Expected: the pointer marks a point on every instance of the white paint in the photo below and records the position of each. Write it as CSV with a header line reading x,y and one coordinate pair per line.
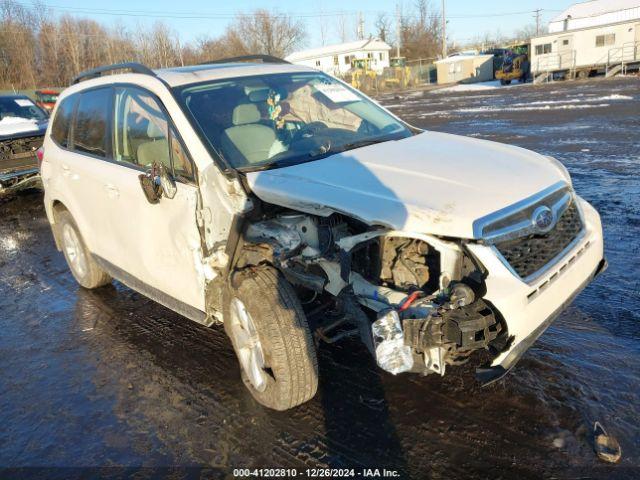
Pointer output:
x,y
13,125
595,13
431,183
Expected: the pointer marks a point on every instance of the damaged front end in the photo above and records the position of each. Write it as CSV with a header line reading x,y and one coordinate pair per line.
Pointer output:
x,y
414,300
18,161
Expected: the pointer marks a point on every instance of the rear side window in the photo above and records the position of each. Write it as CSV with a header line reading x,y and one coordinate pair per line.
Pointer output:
x,y
91,122
62,121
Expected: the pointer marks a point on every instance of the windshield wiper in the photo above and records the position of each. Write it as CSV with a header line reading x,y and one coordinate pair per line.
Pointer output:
x,y
317,155
360,144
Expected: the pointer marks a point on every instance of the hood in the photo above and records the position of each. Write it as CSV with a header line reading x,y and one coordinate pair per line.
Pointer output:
x,y
16,127
432,183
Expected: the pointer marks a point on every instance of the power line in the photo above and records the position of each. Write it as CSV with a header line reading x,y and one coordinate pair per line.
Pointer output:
x,y
198,15
537,17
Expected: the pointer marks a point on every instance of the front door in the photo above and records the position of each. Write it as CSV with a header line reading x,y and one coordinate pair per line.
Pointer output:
x,y
158,244
637,42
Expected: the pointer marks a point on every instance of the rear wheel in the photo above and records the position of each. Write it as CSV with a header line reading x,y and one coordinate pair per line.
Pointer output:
x,y
81,263
271,338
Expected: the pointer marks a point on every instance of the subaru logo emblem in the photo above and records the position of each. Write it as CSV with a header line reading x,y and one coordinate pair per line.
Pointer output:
x,y
543,219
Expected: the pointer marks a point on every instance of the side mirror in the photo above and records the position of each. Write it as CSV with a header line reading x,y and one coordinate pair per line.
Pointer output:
x,y
156,183
167,183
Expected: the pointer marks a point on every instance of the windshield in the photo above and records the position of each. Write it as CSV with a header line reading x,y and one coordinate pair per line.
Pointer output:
x,y
20,108
286,119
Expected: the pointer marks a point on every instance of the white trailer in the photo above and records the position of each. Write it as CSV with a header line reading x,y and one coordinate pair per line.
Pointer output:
x,y
583,46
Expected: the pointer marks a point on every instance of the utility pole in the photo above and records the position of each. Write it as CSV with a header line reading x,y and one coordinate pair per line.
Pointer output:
x,y
444,30
398,30
538,12
360,26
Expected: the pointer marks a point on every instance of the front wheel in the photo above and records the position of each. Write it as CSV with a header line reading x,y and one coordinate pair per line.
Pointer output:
x,y
271,338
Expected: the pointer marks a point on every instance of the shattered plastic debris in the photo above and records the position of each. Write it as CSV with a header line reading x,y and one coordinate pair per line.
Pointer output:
x,y
606,446
392,354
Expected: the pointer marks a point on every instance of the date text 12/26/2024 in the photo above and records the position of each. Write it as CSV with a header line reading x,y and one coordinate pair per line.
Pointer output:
x,y
315,473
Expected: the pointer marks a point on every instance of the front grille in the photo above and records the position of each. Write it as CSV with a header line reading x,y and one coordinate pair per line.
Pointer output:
x,y
528,255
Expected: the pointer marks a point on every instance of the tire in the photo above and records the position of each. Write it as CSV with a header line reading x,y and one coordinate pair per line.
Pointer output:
x,y
280,337
80,260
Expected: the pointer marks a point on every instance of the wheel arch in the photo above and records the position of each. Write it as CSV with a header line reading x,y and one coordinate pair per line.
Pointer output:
x,y
54,207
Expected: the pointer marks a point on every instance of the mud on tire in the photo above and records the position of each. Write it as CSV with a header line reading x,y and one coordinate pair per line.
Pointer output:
x,y
80,260
290,363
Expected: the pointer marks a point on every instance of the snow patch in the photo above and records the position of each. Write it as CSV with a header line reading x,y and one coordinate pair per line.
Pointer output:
x,y
615,96
541,108
12,125
474,87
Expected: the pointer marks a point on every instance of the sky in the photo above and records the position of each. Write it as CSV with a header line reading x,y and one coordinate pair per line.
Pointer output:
x,y
193,19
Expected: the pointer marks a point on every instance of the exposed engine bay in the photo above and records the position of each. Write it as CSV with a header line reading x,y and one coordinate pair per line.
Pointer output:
x,y
414,300
18,161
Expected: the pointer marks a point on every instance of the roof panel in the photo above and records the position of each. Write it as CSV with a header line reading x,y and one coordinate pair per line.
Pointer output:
x,y
219,71
595,8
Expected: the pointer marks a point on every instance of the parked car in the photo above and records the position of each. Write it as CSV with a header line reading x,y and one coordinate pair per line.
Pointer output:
x,y
46,99
293,209
22,128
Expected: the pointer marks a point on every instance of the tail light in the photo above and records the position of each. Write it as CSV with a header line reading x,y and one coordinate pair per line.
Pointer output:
x,y
40,155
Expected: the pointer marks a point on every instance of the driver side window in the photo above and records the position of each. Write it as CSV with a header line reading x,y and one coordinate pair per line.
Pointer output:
x,y
141,134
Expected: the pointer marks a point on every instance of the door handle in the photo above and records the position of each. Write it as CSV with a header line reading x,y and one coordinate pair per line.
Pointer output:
x,y
112,191
66,171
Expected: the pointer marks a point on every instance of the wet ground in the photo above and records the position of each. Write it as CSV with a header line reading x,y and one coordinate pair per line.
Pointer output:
x,y
110,380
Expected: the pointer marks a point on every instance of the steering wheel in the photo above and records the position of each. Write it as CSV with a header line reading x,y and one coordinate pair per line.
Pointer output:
x,y
309,130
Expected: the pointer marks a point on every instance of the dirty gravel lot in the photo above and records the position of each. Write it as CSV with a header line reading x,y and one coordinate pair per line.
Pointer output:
x,y
111,381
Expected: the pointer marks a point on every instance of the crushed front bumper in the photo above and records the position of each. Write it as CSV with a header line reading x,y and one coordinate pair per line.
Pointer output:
x,y
19,179
529,308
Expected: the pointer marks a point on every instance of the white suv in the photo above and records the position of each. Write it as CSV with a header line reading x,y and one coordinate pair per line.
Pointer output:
x,y
295,210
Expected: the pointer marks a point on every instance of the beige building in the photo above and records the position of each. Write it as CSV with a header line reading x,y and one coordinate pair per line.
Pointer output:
x,y
596,36
468,68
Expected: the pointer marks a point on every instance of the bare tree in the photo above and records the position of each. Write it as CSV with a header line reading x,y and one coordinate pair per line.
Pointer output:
x,y
267,33
383,27
342,29
421,31
323,26
37,49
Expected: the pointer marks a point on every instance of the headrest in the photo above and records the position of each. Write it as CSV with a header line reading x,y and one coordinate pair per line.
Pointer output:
x,y
259,95
154,130
245,113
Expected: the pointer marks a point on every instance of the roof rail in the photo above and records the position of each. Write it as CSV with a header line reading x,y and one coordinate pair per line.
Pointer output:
x,y
96,72
247,58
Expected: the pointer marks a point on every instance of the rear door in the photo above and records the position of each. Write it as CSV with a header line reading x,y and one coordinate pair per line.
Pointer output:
x,y
81,166
158,244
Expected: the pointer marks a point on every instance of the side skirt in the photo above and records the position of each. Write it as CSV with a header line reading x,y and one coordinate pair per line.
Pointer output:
x,y
154,294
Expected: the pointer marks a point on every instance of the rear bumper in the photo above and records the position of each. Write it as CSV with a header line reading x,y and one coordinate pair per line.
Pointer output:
x,y
529,308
